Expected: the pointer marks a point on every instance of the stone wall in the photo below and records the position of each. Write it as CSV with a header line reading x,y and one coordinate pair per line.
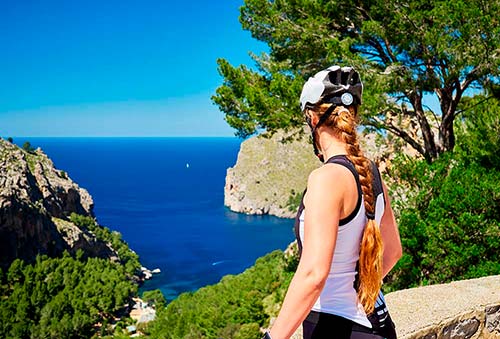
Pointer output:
x,y
462,309
458,310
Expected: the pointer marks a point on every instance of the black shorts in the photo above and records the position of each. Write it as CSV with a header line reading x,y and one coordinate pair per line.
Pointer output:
x,y
320,325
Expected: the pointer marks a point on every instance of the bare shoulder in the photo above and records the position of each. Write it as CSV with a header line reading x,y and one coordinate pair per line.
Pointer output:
x,y
326,186
327,176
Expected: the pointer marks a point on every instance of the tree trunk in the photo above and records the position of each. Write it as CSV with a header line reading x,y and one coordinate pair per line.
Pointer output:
x,y
448,109
428,136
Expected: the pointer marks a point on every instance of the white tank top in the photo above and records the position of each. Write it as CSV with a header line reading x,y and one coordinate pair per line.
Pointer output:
x,y
338,295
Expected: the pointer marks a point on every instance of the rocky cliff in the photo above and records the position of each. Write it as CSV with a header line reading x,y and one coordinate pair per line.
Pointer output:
x,y
36,200
270,174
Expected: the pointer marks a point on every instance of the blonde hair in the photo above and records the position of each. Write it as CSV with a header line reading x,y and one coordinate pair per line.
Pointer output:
x,y
343,123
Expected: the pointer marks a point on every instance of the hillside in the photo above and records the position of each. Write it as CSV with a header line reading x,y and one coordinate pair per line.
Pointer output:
x,y
62,275
269,175
36,201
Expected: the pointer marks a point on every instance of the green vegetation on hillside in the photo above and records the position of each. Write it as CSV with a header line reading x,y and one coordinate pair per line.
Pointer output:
x,y
28,148
67,297
451,231
70,296
236,307
127,257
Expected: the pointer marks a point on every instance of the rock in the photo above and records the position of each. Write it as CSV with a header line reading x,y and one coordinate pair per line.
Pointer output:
x,y
156,271
461,330
460,309
61,196
77,238
493,319
36,200
146,273
268,173
142,312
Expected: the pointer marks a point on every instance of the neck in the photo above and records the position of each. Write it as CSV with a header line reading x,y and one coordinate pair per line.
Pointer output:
x,y
330,145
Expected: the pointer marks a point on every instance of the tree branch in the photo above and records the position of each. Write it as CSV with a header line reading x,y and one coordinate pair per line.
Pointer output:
x,y
469,78
373,42
398,132
433,114
389,50
430,146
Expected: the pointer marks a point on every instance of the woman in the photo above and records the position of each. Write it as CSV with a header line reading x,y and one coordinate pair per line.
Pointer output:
x,y
343,224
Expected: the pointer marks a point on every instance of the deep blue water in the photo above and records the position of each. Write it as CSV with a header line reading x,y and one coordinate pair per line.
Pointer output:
x,y
171,214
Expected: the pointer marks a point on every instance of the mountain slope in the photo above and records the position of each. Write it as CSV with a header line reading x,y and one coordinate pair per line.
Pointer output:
x,y
36,200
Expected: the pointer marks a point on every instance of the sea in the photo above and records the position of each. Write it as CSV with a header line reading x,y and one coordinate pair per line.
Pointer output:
x,y
166,197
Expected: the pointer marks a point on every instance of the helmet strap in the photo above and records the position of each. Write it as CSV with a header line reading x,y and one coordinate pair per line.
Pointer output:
x,y
314,129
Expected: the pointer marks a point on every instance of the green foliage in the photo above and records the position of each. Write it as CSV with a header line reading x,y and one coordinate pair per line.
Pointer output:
x,y
9,139
292,258
479,132
404,49
452,230
294,200
233,308
128,257
248,331
154,297
247,98
63,174
28,148
62,297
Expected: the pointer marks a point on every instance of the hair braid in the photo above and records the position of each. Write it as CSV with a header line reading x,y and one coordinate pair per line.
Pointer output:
x,y
343,122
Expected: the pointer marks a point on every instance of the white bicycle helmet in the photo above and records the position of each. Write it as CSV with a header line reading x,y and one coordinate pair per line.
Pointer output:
x,y
336,85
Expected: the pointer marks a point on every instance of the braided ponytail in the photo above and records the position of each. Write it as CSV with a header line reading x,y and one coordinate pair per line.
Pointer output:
x,y
343,123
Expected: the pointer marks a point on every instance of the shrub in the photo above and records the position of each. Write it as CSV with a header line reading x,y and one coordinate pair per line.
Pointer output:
x,y
28,148
154,297
452,229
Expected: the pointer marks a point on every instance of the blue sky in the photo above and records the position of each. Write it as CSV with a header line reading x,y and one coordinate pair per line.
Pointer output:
x,y
116,68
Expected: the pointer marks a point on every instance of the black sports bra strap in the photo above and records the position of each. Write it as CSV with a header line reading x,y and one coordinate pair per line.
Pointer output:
x,y
377,181
344,161
296,225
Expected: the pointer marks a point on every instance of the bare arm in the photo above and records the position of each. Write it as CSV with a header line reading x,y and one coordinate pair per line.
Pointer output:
x,y
323,202
390,237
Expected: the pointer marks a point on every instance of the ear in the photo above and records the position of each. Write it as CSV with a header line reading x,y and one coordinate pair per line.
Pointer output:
x,y
314,119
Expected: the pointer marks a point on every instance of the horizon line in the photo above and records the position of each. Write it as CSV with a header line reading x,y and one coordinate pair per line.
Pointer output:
x,y
121,136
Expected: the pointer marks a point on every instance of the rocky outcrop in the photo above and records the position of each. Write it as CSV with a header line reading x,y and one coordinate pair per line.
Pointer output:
x,y
271,173
36,200
59,193
77,238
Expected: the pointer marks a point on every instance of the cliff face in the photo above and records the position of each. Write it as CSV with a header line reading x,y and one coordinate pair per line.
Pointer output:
x,y
36,200
270,175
